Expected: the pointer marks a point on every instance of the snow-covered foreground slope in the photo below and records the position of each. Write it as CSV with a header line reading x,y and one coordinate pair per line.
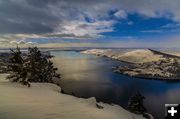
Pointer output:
x,y
133,56
43,101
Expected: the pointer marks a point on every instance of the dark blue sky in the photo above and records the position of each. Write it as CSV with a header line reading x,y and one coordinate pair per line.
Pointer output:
x,y
139,26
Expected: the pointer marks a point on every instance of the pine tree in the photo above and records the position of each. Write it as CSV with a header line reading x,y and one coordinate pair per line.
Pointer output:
x,y
135,104
40,67
35,67
15,65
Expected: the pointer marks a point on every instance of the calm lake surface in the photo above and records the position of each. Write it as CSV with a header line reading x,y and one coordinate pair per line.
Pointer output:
x,y
92,76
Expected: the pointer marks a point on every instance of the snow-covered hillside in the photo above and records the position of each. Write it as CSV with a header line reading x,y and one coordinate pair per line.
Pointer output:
x,y
133,56
44,101
172,52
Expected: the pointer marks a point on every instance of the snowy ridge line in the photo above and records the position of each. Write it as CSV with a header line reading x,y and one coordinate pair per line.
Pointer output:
x,y
164,54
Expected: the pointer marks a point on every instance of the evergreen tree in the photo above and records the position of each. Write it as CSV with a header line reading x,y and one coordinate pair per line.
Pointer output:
x,y
40,67
135,104
35,67
15,65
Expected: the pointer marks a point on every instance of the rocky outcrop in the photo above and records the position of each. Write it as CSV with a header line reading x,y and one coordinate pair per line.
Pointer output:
x,y
168,68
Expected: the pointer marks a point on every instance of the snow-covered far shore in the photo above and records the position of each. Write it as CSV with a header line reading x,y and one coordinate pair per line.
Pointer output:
x,y
44,101
171,52
132,56
147,63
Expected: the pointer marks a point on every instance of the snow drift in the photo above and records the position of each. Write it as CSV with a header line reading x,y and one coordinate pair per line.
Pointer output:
x,y
44,101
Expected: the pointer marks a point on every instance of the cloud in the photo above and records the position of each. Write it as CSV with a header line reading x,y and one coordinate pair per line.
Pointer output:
x,y
18,37
121,14
83,29
126,42
152,31
130,23
171,25
9,40
22,42
23,19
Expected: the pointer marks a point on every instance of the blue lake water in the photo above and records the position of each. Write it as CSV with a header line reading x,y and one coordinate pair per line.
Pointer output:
x,y
92,76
